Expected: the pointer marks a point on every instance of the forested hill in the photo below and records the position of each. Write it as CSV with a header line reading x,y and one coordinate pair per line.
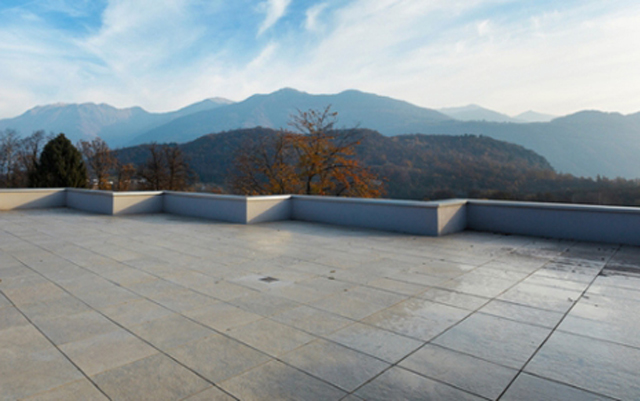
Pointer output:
x,y
413,166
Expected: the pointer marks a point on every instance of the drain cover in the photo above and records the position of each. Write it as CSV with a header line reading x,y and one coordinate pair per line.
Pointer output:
x,y
268,279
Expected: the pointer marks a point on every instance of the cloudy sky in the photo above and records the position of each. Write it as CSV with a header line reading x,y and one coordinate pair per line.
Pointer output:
x,y
555,56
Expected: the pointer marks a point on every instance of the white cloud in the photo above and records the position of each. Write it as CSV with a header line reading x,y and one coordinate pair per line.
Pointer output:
x,y
274,10
312,14
138,36
484,27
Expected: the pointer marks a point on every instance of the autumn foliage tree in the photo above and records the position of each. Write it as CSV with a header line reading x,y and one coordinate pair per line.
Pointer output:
x,y
317,159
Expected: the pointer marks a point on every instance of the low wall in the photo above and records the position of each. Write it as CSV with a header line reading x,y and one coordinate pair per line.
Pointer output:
x,y
452,216
261,209
36,198
90,201
209,206
620,225
114,203
137,202
610,224
410,217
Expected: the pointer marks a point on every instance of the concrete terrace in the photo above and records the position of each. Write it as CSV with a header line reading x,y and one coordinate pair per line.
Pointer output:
x,y
165,307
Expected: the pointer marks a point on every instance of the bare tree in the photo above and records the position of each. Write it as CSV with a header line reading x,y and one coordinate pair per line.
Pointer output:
x,y
178,172
9,169
100,160
28,155
124,176
153,170
165,168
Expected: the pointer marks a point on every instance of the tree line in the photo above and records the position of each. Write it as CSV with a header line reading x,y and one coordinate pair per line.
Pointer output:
x,y
314,159
40,161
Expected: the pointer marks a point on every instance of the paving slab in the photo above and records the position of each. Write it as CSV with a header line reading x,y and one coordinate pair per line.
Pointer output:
x,y
594,365
231,357
68,328
527,387
106,351
78,390
270,337
222,316
211,394
338,365
474,375
170,331
382,344
401,384
277,381
153,378
495,339
311,320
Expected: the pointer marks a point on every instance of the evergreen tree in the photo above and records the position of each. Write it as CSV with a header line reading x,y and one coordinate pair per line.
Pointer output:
x,y
60,165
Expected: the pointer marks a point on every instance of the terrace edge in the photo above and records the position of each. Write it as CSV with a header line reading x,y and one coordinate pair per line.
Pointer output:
x,y
607,224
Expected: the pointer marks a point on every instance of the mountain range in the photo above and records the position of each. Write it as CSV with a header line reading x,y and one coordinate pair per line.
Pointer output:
x,y
473,112
88,120
587,143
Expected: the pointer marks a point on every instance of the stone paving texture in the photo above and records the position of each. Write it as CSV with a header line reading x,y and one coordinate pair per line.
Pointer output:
x,y
159,307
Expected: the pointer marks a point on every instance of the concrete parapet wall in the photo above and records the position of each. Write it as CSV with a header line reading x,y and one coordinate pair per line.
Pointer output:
x,y
410,217
620,225
90,201
565,221
452,216
36,198
114,203
262,209
137,202
228,208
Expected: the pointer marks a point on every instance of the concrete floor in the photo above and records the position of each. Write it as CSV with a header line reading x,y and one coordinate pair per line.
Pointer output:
x,y
163,307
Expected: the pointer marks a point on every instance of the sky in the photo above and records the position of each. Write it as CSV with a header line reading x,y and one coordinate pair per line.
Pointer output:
x,y
554,57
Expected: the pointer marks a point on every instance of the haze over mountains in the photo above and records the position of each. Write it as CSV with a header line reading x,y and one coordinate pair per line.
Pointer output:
x,y
473,112
587,143
88,120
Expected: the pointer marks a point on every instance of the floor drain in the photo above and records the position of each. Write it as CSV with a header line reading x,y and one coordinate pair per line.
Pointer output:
x,y
268,279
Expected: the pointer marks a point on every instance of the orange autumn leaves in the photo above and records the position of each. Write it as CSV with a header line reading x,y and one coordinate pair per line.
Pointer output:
x,y
317,159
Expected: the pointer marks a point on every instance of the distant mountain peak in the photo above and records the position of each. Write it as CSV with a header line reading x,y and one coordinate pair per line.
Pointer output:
x,y
219,100
474,112
287,90
469,107
355,91
531,116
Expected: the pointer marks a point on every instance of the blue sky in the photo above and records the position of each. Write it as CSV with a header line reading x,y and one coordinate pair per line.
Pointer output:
x,y
510,55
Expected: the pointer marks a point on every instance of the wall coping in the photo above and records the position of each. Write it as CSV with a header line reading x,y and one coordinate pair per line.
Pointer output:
x,y
556,206
113,193
19,190
384,202
228,197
